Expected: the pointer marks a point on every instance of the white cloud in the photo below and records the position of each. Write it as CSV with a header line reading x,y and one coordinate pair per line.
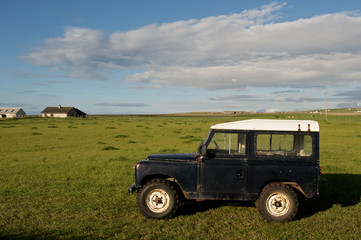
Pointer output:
x,y
248,49
295,71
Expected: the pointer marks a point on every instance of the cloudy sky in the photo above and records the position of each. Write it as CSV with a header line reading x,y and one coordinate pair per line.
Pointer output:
x,y
161,56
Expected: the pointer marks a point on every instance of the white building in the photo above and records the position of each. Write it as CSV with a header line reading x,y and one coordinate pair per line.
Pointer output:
x,y
11,112
62,112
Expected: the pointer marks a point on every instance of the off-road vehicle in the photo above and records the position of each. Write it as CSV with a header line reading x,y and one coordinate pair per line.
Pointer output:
x,y
270,162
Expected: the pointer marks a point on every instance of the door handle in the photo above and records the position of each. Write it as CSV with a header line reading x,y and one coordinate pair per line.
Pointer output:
x,y
239,174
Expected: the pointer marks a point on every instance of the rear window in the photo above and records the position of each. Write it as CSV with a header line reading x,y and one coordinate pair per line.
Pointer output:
x,y
293,145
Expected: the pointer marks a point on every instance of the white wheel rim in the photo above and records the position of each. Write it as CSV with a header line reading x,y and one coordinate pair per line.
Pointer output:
x,y
158,200
278,204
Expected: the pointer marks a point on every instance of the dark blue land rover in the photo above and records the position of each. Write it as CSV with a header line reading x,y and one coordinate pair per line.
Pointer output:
x,y
271,162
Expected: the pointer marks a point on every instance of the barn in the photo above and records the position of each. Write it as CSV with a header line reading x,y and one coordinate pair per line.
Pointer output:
x,y
11,112
62,112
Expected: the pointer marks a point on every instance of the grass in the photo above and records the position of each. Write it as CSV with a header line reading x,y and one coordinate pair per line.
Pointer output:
x,y
64,183
109,148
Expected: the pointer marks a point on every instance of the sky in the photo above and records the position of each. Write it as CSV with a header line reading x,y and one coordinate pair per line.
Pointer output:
x,y
166,56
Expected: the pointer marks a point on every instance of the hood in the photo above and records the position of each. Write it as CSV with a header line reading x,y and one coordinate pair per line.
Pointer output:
x,y
174,156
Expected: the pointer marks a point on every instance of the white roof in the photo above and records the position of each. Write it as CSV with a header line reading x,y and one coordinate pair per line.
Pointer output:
x,y
270,125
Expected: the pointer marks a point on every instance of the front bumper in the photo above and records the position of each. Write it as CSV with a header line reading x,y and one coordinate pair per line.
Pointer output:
x,y
132,189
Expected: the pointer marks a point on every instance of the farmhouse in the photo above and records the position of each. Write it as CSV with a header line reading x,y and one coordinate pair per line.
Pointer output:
x,y
11,112
62,112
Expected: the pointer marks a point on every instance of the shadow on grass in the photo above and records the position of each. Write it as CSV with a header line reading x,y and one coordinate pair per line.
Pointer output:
x,y
335,189
192,207
342,189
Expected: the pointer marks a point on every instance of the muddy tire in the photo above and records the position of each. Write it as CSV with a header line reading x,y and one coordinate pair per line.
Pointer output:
x,y
158,199
277,203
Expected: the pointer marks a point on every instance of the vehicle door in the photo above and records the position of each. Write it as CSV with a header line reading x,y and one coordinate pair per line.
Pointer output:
x,y
224,168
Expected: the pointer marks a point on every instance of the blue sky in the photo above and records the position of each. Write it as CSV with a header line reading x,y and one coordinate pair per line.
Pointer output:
x,y
124,57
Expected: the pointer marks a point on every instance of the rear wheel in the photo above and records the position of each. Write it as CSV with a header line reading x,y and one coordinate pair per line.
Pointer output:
x,y
277,203
158,199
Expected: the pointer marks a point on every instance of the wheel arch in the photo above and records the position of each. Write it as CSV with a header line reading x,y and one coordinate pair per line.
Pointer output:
x,y
295,186
170,179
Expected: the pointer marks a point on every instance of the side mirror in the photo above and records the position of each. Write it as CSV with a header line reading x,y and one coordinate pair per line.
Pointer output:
x,y
202,149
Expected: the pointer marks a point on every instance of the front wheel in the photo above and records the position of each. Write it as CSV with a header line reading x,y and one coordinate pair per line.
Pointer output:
x,y
158,199
277,203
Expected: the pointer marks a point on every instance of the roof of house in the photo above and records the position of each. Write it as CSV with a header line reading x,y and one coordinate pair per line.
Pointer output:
x,y
61,109
270,125
9,110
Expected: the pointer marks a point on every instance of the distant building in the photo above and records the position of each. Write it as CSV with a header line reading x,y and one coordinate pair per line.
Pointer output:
x,y
62,112
11,112
235,112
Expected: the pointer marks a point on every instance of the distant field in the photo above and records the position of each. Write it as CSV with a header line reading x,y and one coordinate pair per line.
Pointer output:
x,y
68,178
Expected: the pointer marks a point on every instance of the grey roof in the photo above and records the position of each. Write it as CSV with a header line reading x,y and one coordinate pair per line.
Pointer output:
x,y
65,110
9,110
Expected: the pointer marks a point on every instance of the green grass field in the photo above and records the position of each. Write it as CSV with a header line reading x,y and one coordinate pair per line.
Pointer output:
x,y
68,178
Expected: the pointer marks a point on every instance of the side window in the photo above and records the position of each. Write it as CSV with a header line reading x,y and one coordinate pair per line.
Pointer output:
x,y
293,145
228,143
305,145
